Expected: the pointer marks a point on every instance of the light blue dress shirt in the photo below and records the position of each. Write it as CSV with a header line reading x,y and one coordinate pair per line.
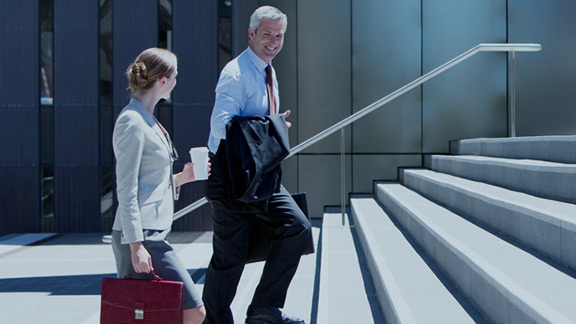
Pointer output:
x,y
241,91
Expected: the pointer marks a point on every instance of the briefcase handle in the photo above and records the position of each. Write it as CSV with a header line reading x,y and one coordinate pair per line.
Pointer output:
x,y
156,277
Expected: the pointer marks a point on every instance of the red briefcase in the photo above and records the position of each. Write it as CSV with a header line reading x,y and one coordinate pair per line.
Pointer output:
x,y
142,301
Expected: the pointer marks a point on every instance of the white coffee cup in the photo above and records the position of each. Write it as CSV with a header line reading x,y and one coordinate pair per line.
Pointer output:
x,y
199,157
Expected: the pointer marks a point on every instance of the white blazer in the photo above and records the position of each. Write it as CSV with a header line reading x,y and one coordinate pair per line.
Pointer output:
x,y
144,179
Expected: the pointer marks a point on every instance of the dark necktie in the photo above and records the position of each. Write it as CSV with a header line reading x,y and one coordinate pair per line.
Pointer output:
x,y
270,87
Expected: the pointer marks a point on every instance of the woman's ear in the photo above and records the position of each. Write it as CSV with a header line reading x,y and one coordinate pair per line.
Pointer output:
x,y
162,80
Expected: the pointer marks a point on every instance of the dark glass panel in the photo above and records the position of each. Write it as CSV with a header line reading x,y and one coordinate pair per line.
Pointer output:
x,y
224,32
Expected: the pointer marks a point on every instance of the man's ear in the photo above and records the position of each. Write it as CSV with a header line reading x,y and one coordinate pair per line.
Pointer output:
x,y
251,33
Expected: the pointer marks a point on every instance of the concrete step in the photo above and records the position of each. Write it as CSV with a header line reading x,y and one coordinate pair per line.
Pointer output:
x,y
300,300
346,292
507,284
540,178
409,290
331,286
546,148
546,226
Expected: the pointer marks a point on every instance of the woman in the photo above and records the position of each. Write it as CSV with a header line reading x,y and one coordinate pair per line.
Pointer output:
x,y
146,186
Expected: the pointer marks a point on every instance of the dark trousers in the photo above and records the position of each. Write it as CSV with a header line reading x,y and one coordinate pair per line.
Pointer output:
x,y
230,243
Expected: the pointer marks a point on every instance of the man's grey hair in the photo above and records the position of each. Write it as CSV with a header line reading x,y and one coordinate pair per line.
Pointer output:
x,y
267,12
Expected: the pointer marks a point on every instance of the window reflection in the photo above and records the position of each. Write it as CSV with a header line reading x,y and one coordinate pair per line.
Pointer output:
x,y
165,16
46,51
107,197
47,191
47,114
165,41
105,51
106,117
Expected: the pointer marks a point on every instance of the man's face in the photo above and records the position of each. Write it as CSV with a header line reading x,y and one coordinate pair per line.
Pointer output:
x,y
268,40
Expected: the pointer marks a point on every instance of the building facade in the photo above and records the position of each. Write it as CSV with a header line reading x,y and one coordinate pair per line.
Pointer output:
x,y
63,84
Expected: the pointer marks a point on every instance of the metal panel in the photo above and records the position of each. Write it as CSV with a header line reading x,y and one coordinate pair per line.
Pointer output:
x,y
324,70
241,12
19,199
19,86
198,64
77,205
545,96
196,50
193,97
386,56
290,174
469,100
286,66
320,178
76,131
76,116
374,167
19,125
135,28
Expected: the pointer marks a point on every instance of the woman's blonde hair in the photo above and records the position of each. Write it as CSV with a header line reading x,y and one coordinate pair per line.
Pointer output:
x,y
151,65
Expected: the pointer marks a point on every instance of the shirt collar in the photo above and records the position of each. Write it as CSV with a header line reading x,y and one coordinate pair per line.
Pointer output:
x,y
139,107
258,62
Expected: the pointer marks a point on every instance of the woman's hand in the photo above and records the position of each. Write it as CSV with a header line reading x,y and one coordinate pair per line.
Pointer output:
x,y
141,260
187,175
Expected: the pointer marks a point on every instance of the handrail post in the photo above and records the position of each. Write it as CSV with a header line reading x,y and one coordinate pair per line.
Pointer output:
x,y
343,175
512,107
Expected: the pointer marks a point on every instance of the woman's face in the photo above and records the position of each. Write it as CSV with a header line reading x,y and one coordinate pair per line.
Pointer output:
x,y
169,84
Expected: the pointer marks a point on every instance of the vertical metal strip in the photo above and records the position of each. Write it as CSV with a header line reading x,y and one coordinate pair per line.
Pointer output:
x,y
343,175
512,112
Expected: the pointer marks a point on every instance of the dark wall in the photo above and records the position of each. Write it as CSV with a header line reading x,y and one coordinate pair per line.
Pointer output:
x,y
76,131
20,121
195,43
56,160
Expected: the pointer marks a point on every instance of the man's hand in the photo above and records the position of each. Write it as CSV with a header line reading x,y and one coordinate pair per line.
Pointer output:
x,y
286,114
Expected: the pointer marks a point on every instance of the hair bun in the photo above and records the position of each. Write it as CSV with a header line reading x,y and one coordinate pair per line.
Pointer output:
x,y
143,71
138,75
139,68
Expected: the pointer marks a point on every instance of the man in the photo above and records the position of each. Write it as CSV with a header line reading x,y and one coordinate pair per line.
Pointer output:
x,y
242,91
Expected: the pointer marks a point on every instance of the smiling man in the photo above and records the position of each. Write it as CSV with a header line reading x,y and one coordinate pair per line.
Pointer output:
x,y
248,88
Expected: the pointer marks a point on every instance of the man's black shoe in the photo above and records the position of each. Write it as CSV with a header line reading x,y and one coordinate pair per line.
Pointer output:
x,y
270,315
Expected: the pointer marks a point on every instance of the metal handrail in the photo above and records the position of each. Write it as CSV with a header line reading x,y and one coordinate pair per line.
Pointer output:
x,y
379,103
484,47
197,204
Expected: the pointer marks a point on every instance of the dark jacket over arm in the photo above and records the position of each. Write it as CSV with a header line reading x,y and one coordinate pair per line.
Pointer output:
x,y
255,148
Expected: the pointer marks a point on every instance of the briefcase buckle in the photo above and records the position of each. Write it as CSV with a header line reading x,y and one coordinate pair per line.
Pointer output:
x,y
138,314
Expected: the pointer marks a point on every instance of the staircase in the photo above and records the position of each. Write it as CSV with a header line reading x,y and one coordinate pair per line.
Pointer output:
x,y
486,234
